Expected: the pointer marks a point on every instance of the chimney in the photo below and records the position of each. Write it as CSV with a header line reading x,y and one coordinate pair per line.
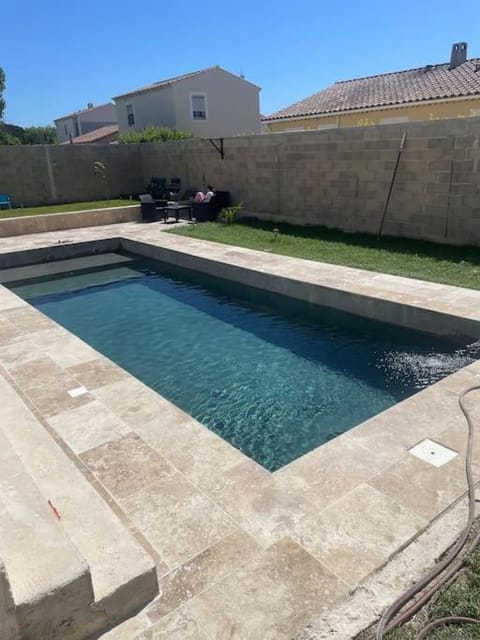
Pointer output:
x,y
459,55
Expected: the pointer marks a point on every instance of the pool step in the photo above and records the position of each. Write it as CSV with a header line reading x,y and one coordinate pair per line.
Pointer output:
x,y
45,579
123,575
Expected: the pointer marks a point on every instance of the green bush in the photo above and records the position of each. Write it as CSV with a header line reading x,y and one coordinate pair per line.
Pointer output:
x,y
228,214
153,134
13,134
7,138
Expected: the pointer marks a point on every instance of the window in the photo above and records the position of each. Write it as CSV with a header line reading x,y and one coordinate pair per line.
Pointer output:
x,y
66,130
130,115
199,106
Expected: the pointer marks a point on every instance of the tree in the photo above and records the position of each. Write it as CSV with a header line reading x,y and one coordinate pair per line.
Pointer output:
x,y
10,134
39,135
7,138
13,134
2,89
154,134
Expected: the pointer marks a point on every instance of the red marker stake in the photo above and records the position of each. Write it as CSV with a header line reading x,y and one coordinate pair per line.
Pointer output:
x,y
54,510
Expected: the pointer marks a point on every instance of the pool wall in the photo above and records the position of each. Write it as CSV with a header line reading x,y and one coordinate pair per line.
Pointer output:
x,y
245,267
411,316
62,251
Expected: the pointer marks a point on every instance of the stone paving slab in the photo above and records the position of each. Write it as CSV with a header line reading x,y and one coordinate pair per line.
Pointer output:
x,y
239,550
117,563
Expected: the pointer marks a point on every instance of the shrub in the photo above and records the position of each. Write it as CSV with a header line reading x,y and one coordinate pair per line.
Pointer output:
x,y
153,134
100,170
228,214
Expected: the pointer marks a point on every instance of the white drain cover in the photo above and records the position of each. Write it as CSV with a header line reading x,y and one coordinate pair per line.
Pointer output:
x,y
432,452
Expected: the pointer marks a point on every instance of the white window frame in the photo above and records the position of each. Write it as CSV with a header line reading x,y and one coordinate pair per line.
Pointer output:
x,y
200,94
133,114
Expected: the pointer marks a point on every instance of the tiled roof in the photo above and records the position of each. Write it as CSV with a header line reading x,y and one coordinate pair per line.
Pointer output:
x,y
96,135
77,113
168,81
433,82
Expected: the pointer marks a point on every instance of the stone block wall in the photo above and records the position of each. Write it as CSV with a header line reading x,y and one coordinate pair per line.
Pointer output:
x,y
338,178
47,174
341,178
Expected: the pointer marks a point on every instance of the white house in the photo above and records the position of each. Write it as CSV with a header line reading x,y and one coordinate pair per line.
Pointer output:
x,y
84,121
208,103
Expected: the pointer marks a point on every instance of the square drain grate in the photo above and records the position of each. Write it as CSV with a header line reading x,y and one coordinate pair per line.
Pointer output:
x,y
432,452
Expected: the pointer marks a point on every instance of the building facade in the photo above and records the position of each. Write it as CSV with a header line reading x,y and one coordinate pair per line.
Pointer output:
x,y
208,103
81,122
447,90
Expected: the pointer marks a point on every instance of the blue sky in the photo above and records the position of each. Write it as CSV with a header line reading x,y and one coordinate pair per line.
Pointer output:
x,y
58,55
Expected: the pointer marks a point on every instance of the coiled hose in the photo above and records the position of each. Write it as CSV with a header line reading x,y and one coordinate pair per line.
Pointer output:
x,y
449,565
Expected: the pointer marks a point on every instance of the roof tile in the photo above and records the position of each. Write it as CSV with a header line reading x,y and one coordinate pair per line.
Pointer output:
x,y
432,82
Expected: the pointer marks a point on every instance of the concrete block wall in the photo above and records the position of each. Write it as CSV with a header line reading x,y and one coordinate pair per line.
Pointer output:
x,y
47,174
338,178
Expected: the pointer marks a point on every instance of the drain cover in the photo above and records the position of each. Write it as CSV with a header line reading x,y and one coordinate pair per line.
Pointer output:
x,y
432,452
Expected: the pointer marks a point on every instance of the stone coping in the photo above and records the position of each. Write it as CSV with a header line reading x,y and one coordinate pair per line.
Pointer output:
x,y
242,552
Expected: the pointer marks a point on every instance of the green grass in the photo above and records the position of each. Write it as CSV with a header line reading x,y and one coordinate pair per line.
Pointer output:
x,y
63,208
461,599
458,266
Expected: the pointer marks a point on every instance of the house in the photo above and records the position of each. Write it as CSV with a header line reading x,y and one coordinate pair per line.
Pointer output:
x,y
77,124
207,103
104,135
445,90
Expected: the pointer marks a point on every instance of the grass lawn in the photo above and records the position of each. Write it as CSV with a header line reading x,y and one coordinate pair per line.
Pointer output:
x,y
458,266
64,208
461,599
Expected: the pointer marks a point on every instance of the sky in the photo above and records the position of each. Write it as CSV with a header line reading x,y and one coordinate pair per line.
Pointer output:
x,y
58,56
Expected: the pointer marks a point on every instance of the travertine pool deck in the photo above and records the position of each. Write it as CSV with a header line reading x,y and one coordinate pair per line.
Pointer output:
x,y
242,553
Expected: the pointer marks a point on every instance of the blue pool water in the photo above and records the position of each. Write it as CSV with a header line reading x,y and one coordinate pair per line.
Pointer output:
x,y
274,377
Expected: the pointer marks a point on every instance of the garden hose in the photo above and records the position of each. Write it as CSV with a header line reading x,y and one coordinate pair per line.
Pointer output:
x,y
449,565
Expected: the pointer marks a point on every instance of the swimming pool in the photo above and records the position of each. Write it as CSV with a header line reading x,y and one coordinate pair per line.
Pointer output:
x,y
273,376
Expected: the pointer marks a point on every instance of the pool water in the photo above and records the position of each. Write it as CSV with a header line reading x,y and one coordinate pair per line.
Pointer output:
x,y
273,376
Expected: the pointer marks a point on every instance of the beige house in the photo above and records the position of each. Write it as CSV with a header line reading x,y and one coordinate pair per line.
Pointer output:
x,y
207,103
446,90
85,121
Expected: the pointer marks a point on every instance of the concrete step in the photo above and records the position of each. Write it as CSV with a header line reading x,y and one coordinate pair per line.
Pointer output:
x,y
45,573
123,574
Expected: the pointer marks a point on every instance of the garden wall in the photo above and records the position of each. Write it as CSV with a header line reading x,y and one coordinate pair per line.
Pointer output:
x,y
339,178
72,220
46,174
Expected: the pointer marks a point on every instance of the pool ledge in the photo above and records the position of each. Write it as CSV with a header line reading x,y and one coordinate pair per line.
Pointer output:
x,y
235,547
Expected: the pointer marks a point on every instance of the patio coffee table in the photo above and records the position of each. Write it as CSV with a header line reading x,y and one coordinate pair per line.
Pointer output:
x,y
174,209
